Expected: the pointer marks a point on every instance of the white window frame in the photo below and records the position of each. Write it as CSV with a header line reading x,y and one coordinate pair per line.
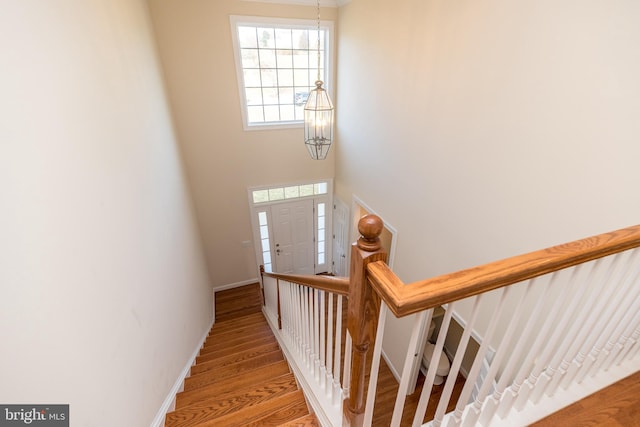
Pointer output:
x,y
237,20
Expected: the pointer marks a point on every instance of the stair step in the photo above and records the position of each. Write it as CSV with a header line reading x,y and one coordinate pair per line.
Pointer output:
x,y
211,377
276,411
216,354
219,341
231,402
226,325
256,376
222,362
307,421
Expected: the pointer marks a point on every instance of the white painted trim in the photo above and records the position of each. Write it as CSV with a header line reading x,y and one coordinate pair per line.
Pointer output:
x,y
169,403
235,285
314,3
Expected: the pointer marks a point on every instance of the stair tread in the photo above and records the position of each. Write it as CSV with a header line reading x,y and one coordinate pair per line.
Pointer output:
x,y
222,362
308,420
212,355
210,377
272,413
233,323
261,374
217,342
236,400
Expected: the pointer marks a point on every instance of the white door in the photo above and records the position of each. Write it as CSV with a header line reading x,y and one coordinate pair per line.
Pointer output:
x,y
293,237
340,236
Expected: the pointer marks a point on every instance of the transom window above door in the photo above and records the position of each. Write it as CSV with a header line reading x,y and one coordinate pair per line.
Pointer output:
x,y
277,66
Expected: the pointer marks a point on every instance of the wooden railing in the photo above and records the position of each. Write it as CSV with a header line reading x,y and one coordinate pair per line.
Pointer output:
x,y
523,370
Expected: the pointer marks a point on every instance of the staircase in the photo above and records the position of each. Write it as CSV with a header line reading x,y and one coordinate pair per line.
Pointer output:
x,y
240,377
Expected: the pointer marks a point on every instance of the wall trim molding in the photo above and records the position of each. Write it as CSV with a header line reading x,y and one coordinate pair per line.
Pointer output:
x,y
234,285
314,3
169,403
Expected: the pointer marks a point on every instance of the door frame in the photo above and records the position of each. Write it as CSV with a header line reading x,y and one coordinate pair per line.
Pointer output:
x,y
326,198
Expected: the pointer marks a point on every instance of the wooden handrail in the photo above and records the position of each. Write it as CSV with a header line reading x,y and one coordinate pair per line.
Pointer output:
x,y
404,299
337,285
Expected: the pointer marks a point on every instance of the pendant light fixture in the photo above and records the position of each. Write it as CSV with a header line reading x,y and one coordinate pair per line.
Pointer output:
x,y
318,116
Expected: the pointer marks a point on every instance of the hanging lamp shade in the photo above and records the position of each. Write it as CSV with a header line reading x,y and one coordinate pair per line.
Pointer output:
x,y
318,122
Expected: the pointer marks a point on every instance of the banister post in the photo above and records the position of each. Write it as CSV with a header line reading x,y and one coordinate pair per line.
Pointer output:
x,y
364,307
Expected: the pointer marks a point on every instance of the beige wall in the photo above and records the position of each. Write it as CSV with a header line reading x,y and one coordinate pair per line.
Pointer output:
x,y
104,293
223,160
481,130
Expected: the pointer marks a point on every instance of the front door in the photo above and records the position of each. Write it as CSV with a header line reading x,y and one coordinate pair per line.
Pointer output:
x,y
293,237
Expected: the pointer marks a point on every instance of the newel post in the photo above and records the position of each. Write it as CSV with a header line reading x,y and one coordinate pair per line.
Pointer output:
x,y
364,307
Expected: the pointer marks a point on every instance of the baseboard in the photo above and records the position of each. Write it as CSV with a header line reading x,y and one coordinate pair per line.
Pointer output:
x,y
235,285
392,368
169,403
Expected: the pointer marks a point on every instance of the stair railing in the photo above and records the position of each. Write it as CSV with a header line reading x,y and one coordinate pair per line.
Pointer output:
x,y
306,313
550,326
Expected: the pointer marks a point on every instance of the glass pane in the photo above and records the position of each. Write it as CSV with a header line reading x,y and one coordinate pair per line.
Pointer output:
x,y
255,114
283,38
306,190
267,58
265,245
300,39
301,78
254,96
271,114
252,78
269,78
321,258
260,196
320,247
320,209
300,59
270,96
262,216
267,268
250,58
300,112
276,193
313,39
285,78
284,58
321,233
266,37
266,257
287,113
247,37
320,188
320,222
286,94
291,192
264,232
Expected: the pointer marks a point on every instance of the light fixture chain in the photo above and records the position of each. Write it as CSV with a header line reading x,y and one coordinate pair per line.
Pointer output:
x,y
318,39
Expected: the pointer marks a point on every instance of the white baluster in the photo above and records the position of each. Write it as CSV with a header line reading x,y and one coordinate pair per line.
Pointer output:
x,y
323,342
433,365
375,365
423,318
457,362
329,354
337,387
509,394
491,402
347,365
472,414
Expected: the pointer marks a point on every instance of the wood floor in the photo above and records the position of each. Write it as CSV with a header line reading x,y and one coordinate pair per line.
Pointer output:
x,y
615,406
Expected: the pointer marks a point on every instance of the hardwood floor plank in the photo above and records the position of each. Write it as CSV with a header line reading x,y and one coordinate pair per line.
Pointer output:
x,y
207,410
232,359
248,345
227,385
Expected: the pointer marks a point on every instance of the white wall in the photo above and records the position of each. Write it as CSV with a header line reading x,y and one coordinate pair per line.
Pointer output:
x,y
482,130
223,160
104,292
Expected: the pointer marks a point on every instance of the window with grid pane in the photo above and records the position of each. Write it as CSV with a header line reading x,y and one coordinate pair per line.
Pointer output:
x,y
277,64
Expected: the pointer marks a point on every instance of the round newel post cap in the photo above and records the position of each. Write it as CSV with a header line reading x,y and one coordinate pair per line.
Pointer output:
x,y
370,227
